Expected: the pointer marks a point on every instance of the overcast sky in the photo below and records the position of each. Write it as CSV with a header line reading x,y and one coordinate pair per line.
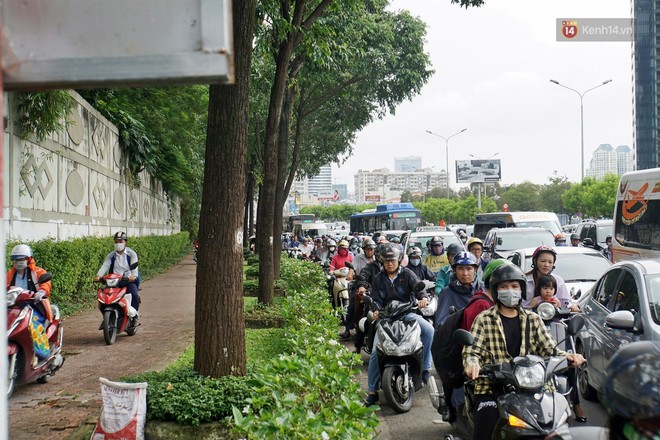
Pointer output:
x,y
493,67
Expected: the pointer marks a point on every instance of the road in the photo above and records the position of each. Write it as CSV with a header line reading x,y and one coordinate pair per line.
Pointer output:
x,y
70,403
424,423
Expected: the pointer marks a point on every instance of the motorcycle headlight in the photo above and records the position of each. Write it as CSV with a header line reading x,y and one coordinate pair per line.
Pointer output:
x,y
112,282
11,297
530,377
388,346
546,311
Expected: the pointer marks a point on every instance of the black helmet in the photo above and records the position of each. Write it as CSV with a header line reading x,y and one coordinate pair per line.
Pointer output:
x,y
632,384
436,240
507,272
395,240
121,235
574,236
368,243
453,249
390,252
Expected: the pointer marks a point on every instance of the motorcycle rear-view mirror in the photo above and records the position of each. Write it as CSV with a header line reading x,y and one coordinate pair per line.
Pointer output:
x,y
575,325
463,337
44,278
419,287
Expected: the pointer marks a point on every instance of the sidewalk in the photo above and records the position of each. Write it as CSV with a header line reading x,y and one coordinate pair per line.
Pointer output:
x,y
68,406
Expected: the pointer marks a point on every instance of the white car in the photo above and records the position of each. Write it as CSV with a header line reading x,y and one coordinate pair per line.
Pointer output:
x,y
579,267
420,237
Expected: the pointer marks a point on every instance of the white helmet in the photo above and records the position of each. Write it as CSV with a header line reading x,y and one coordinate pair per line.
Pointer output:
x,y
21,251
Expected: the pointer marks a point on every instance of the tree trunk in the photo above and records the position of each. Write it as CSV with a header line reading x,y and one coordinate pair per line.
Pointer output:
x,y
248,217
266,206
282,165
219,321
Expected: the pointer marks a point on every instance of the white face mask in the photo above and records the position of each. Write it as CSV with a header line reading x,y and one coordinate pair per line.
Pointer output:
x,y
119,247
509,297
415,262
20,265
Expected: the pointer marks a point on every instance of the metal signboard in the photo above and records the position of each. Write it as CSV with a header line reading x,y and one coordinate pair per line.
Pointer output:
x,y
106,43
478,171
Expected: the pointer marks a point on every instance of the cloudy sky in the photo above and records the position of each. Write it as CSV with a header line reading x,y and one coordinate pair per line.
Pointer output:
x,y
493,67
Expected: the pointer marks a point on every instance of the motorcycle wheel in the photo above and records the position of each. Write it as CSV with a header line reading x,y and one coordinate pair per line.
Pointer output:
x,y
393,388
109,327
12,375
132,328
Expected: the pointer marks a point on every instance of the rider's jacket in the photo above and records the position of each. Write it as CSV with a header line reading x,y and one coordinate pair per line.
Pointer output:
x,y
457,295
34,273
370,271
436,262
422,272
385,290
488,334
360,262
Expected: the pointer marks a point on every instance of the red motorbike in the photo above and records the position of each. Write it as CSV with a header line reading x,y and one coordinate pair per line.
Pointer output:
x,y
115,306
20,348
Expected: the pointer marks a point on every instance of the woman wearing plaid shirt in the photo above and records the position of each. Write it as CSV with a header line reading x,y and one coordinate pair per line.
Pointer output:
x,y
507,331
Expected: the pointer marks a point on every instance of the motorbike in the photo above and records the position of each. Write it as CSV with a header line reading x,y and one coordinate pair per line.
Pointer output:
x,y
428,312
399,352
525,408
20,348
195,250
114,302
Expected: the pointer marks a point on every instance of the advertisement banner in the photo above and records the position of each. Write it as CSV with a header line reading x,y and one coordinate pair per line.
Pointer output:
x,y
478,171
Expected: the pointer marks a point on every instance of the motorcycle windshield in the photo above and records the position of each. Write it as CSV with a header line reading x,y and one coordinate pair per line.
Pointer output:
x,y
399,331
396,309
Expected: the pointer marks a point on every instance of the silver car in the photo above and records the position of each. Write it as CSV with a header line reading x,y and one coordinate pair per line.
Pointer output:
x,y
623,306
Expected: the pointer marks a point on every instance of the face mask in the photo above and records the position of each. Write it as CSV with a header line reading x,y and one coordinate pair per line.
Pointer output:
x,y
20,265
343,252
119,247
509,297
415,262
331,248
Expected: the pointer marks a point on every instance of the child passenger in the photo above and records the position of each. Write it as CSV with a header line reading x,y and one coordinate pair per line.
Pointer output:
x,y
544,291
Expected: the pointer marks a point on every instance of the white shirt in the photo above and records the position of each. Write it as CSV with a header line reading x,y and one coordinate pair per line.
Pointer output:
x,y
121,263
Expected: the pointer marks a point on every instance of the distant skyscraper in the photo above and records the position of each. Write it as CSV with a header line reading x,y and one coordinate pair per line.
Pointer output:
x,y
407,164
321,184
646,76
382,184
607,160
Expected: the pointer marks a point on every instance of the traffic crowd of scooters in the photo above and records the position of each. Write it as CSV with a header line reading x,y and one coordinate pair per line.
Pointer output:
x,y
534,392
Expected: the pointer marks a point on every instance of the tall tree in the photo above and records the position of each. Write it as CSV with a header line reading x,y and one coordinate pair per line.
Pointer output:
x,y
219,322
551,193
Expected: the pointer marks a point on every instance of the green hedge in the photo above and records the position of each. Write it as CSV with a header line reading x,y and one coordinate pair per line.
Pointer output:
x,y
74,263
299,383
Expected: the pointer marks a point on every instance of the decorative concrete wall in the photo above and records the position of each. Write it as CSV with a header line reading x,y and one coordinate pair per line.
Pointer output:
x,y
71,185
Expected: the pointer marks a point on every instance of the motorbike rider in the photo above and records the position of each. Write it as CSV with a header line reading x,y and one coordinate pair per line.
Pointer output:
x,y
476,246
330,247
437,257
395,282
119,262
306,248
342,256
607,250
25,273
354,247
506,331
480,301
543,263
415,264
444,274
631,392
575,240
560,240
359,263
463,284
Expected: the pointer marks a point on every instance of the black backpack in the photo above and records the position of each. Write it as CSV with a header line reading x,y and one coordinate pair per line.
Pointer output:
x,y
447,354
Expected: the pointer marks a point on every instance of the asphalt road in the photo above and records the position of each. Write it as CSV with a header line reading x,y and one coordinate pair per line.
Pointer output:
x,y
423,422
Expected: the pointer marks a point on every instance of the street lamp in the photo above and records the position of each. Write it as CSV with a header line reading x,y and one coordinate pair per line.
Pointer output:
x,y
581,95
479,187
447,149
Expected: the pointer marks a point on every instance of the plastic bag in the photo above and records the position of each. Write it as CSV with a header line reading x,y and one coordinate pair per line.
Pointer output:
x,y
123,412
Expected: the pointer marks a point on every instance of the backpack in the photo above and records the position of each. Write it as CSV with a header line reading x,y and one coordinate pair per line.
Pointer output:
x,y
447,354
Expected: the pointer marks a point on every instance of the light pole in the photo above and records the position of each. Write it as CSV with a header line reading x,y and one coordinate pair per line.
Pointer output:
x,y
447,149
479,187
581,95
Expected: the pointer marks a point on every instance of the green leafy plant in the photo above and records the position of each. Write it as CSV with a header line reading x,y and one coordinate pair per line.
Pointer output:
x,y
43,113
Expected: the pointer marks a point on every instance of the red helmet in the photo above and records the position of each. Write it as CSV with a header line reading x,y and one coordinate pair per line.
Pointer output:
x,y
542,249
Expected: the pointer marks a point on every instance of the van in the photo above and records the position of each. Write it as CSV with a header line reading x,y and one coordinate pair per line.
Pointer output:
x,y
311,230
637,216
487,221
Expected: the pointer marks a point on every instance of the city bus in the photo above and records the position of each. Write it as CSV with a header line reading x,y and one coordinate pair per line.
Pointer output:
x,y
485,222
386,217
637,216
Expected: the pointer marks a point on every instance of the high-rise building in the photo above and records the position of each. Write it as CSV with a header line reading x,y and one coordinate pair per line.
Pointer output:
x,y
646,76
407,164
383,185
607,160
321,184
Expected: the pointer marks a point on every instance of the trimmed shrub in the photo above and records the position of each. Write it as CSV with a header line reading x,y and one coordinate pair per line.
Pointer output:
x,y
74,263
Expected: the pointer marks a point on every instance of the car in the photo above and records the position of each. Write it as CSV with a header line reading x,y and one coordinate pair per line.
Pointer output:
x,y
422,234
500,242
596,230
389,234
623,306
579,267
569,228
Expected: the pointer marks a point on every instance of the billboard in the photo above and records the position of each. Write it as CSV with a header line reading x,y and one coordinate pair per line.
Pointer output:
x,y
478,170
